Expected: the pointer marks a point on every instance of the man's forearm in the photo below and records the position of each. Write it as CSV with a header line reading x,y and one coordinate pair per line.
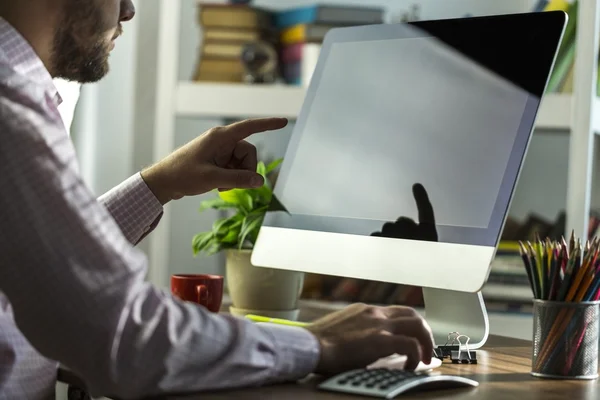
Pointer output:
x,y
155,180
205,351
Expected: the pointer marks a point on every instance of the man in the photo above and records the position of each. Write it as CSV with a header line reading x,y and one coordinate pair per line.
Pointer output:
x,y
72,287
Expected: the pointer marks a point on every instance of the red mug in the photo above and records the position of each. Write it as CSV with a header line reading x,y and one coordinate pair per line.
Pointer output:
x,y
206,290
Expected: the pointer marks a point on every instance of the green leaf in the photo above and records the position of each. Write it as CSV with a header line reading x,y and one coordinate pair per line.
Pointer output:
x,y
239,197
233,232
221,226
200,242
213,246
262,210
272,165
261,169
261,196
276,205
237,217
216,204
250,228
231,236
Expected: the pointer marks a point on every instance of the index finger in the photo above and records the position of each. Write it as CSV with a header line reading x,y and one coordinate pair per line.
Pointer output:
x,y
424,206
242,129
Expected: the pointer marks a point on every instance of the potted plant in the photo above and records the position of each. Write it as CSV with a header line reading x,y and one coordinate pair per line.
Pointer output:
x,y
271,292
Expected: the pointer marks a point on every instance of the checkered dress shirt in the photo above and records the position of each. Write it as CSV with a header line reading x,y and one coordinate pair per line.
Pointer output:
x,y
72,283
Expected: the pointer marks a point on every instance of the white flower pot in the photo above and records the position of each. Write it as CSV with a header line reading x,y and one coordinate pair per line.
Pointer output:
x,y
261,289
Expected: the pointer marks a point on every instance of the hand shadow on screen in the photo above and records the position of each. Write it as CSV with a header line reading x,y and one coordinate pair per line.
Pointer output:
x,y
406,228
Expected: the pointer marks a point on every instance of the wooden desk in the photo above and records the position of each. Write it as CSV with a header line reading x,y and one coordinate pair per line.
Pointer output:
x,y
502,371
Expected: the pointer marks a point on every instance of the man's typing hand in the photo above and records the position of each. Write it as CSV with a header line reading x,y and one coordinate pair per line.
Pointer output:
x,y
359,335
220,158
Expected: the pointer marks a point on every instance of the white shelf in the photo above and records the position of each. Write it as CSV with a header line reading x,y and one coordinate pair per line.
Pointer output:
x,y
238,100
555,112
232,100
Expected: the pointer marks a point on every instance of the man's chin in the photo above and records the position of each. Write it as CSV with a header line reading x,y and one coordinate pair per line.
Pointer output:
x,y
96,76
86,73
82,65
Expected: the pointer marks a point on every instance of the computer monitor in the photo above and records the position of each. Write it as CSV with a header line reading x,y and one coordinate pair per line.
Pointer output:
x,y
405,155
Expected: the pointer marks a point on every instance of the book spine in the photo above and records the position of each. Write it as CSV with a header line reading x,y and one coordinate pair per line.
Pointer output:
x,y
349,15
557,5
540,5
329,15
292,53
288,18
291,72
295,34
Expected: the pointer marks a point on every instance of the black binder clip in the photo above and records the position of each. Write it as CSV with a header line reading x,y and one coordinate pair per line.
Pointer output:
x,y
465,356
445,351
452,344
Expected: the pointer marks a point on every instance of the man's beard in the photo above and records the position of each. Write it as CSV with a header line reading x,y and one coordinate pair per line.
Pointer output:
x,y
80,51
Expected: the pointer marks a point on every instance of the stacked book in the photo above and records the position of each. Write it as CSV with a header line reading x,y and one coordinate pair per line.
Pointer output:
x,y
303,29
226,29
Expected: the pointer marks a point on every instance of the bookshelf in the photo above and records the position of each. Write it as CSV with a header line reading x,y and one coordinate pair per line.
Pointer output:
x,y
577,114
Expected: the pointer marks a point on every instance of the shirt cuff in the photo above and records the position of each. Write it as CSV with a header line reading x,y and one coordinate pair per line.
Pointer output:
x,y
298,351
147,199
134,207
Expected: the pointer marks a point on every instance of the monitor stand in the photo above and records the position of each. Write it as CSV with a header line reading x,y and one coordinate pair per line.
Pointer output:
x,y
451,311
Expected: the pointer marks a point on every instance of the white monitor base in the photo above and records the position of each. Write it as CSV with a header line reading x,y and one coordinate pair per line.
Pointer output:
x,y
450,311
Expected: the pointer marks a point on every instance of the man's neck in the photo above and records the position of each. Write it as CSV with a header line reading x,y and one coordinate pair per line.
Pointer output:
x,y
35,24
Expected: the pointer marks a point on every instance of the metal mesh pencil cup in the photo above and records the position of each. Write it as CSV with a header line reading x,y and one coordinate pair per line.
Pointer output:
x,y
565,339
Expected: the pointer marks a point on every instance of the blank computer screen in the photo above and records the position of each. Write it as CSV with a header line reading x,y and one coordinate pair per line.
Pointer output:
x,y
385,114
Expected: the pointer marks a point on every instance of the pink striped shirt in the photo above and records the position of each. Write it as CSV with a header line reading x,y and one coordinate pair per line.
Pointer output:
x,y
72,286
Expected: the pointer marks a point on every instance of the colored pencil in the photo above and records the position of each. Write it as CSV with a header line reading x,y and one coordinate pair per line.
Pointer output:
x,y
565,255
572,242
534,270
555,273
528,268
